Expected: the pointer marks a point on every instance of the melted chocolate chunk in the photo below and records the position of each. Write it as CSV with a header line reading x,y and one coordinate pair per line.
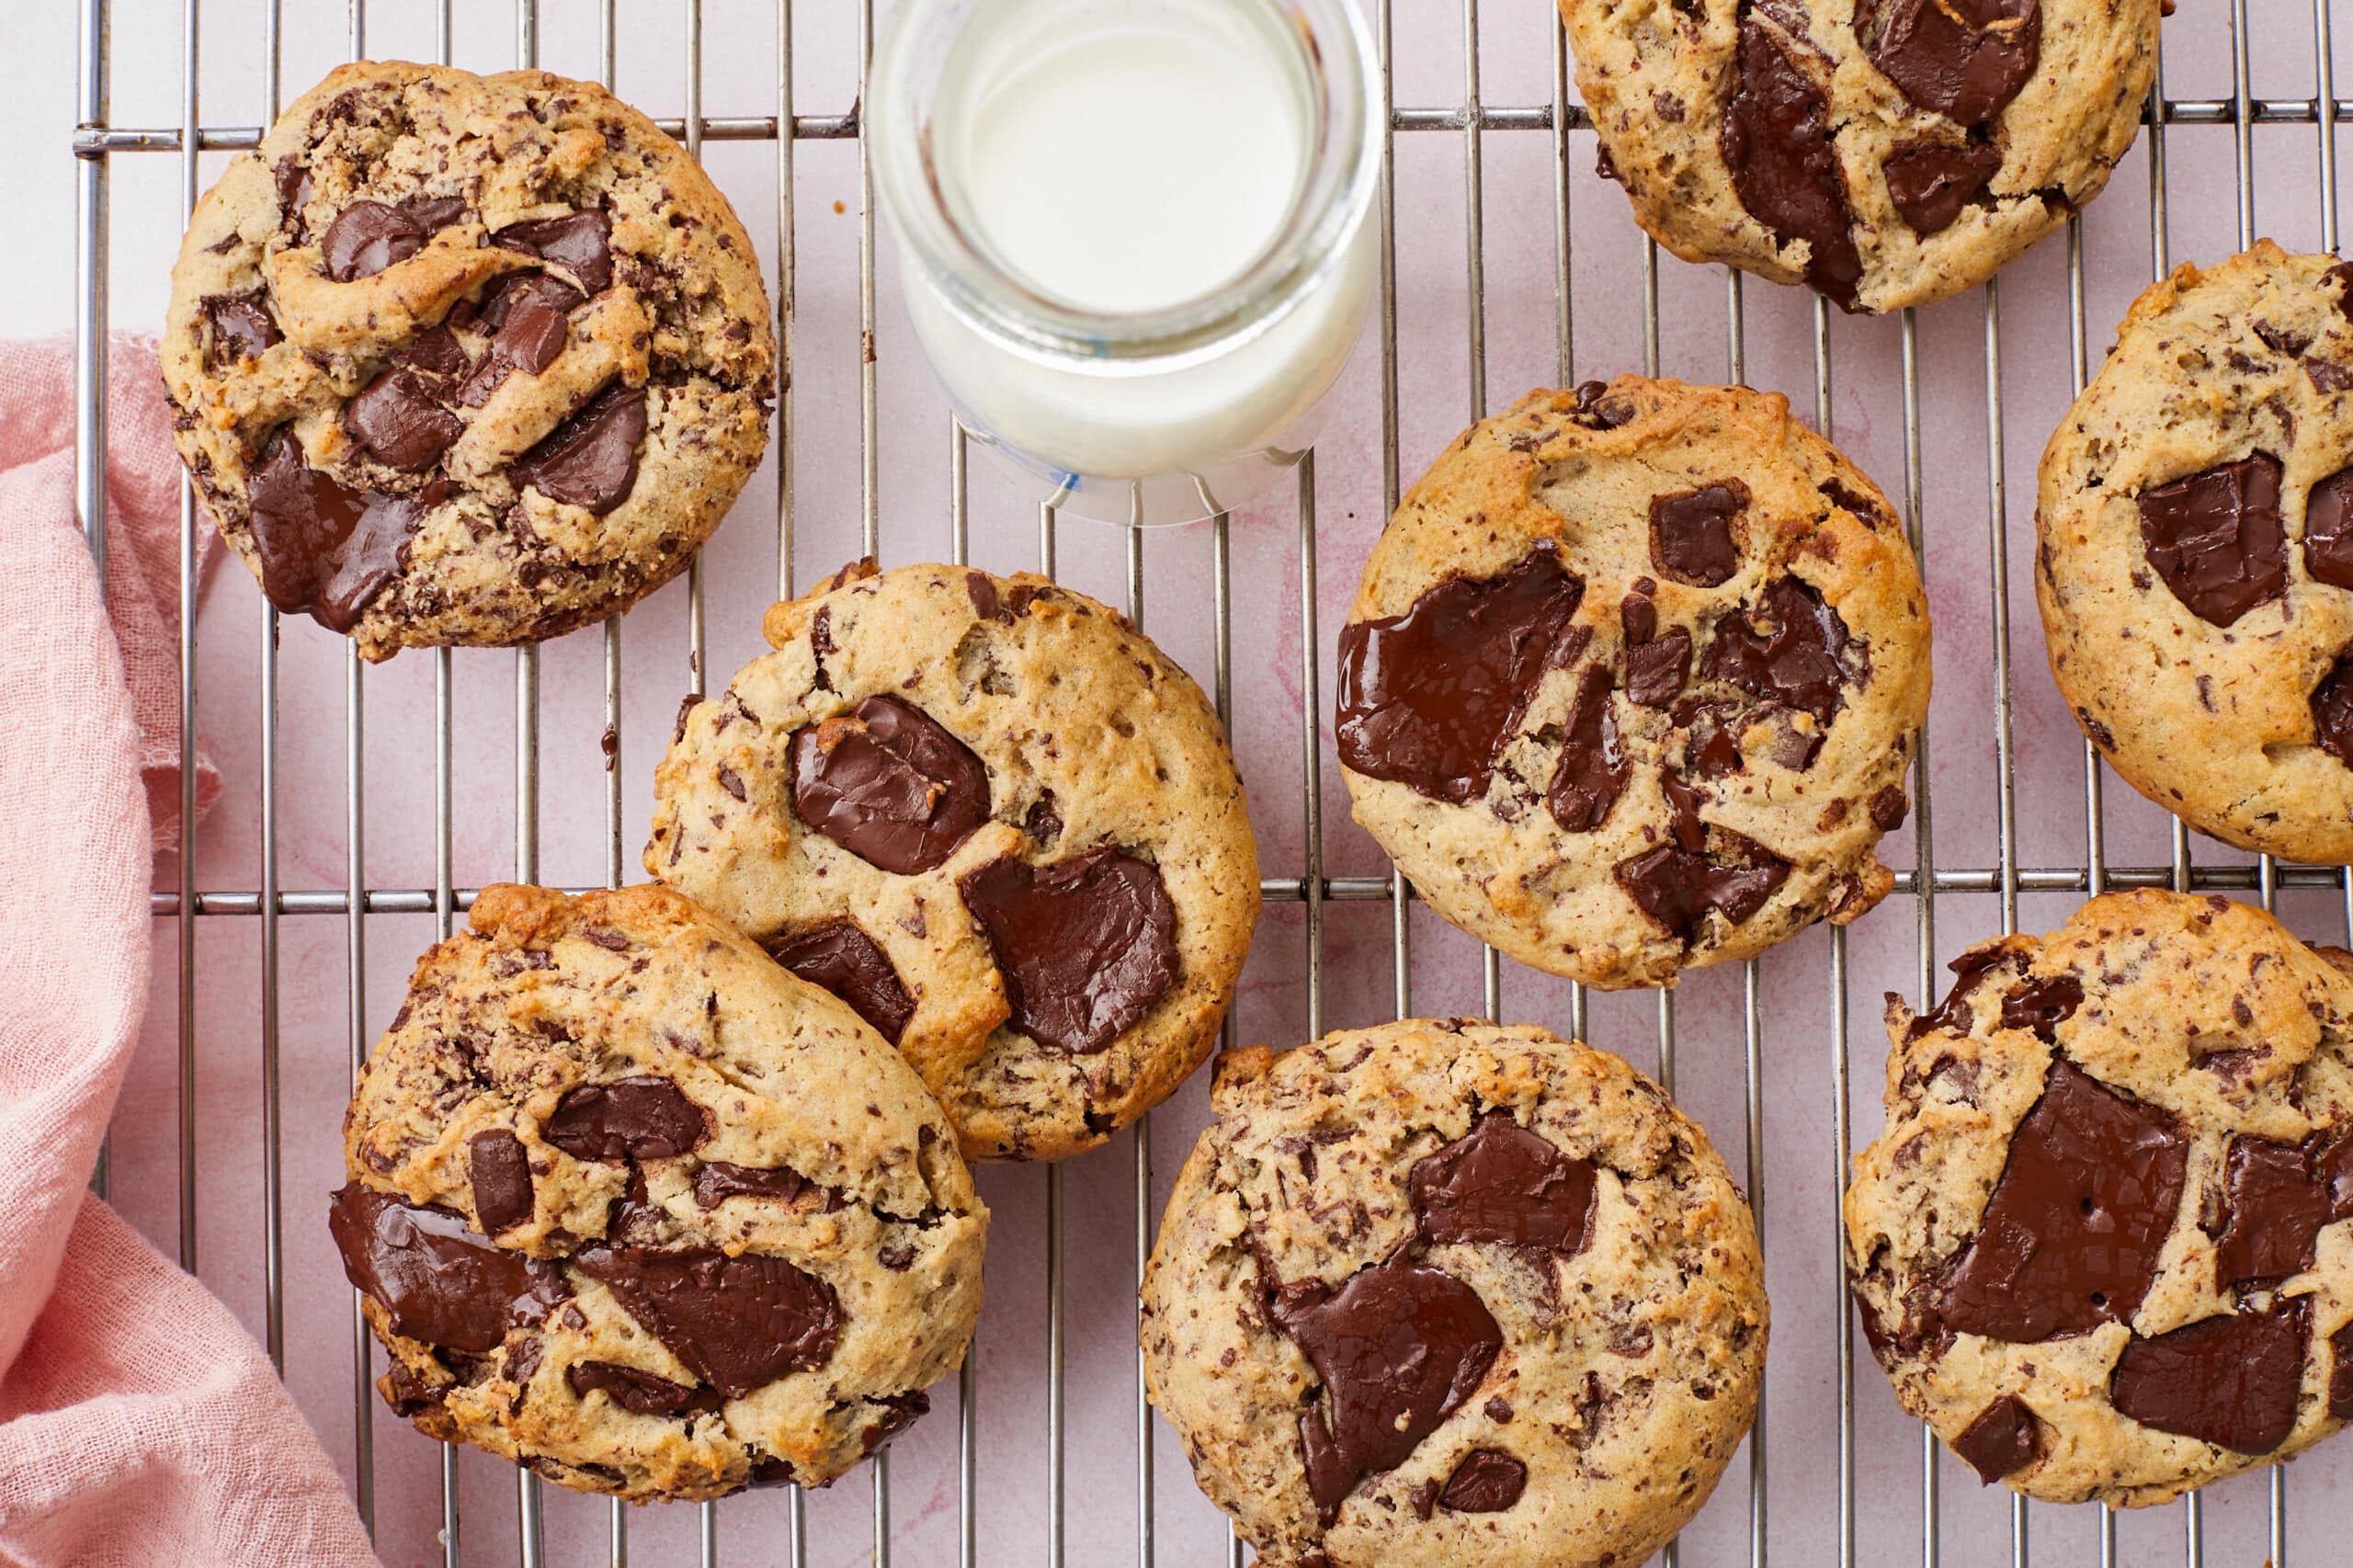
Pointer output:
x,y
1504,1184
501,1174
2003,1439
1711,744
737,1322
2070,1235
580,242
1593,768
852,965
293,182
1963,59
436,353
368,237
1488,1480
1790,648
2277,1197
1784,166
983,592
435,1279
2232,1381
1691,539
2043,1004
590,459
1678,887
1397,1348
1085,945
2328,541
1887,807
1655,670
642,1117
1427,697
1953,1014
888,783
642,1393
2215,538
240,325
1683,811
905,1410
324,550
397,418
716,1181
1930,182
2332,705
2340,1377
530,319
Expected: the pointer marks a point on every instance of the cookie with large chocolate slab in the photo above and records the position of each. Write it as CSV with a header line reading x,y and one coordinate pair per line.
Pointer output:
x,y
634,1206
466,359
1632,679
2105,1245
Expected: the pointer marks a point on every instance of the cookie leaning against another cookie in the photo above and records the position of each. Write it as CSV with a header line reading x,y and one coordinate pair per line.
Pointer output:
x,y
465,360
2196,569
995,818
2102,1247
1443,1292
632,1206
1632,679
1888,152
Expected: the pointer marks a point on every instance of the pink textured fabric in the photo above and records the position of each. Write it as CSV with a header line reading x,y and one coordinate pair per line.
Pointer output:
x,y
139,1424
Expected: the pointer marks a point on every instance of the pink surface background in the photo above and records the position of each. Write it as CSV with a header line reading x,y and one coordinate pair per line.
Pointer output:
x,y
1966,502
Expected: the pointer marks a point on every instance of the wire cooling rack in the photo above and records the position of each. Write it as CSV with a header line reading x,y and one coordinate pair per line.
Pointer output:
x,y
1857,1482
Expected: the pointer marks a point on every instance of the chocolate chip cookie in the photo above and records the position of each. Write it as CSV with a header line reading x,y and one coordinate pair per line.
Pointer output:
x,y
1632,679
466,359
632,1206
1445,1291
2196,569
994,819
2101,1247
1887,153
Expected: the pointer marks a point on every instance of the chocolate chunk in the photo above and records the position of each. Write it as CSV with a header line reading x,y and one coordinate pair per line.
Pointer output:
x,y
1683,811
2328,541
737,1322
436,353
770,1471
396,419
2340,1377
2070,1235
1963,59
1691,538
1678,887
642,1393
1085,945
1790,648
2232,1381
590,459
1711,744
242,326
1592,411
1504,1184
435,1279
2332,705
888,783
715,1181
1397,1348
2215,538
1953,1013
324,550
1784,165
1488,1480
530,319
1930,182
293,182
1427,697
2003,1439
847,962
983,592
1593,768
1655,670
2043,1004
501,1174
905,1410
1887,807
368,237
1043,823
580,242
410,1395
2275,1198
642,1118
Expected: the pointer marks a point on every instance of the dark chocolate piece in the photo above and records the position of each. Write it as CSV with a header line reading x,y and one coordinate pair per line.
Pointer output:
x,y
500,1172
1504,1184
737,1322
2215,538
1678,887
887,782
579,242
530,321
2341,1376
716,1181
1791,647
1776,141
368,236
1488,1480
396,417
437,1279
2003,1439
843,959
1930,181
1963,59
642,1117
1594,768
2275,1198
2043,1004
2332,706
2328,539
325,550
1085,946
1655,670
590,459
1691,539
642,1393
2230,1381
242,325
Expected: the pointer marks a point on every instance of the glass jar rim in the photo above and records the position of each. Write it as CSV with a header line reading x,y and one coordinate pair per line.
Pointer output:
x,y
1342,172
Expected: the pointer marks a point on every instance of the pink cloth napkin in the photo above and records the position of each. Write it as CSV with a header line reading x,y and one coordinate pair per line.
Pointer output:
x,y
139,1424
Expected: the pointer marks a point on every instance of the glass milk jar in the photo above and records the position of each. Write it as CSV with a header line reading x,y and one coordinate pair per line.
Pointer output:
x,y
1133,233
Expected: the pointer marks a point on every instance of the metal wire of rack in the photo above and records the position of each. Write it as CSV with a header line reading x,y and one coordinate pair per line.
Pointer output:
x,y
96,139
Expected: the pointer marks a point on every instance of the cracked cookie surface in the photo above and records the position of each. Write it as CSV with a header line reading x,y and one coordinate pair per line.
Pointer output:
x,y
1444,1291
2105,1245
1887,153
465,360
632,1206
998,819
2196,565
1633,678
